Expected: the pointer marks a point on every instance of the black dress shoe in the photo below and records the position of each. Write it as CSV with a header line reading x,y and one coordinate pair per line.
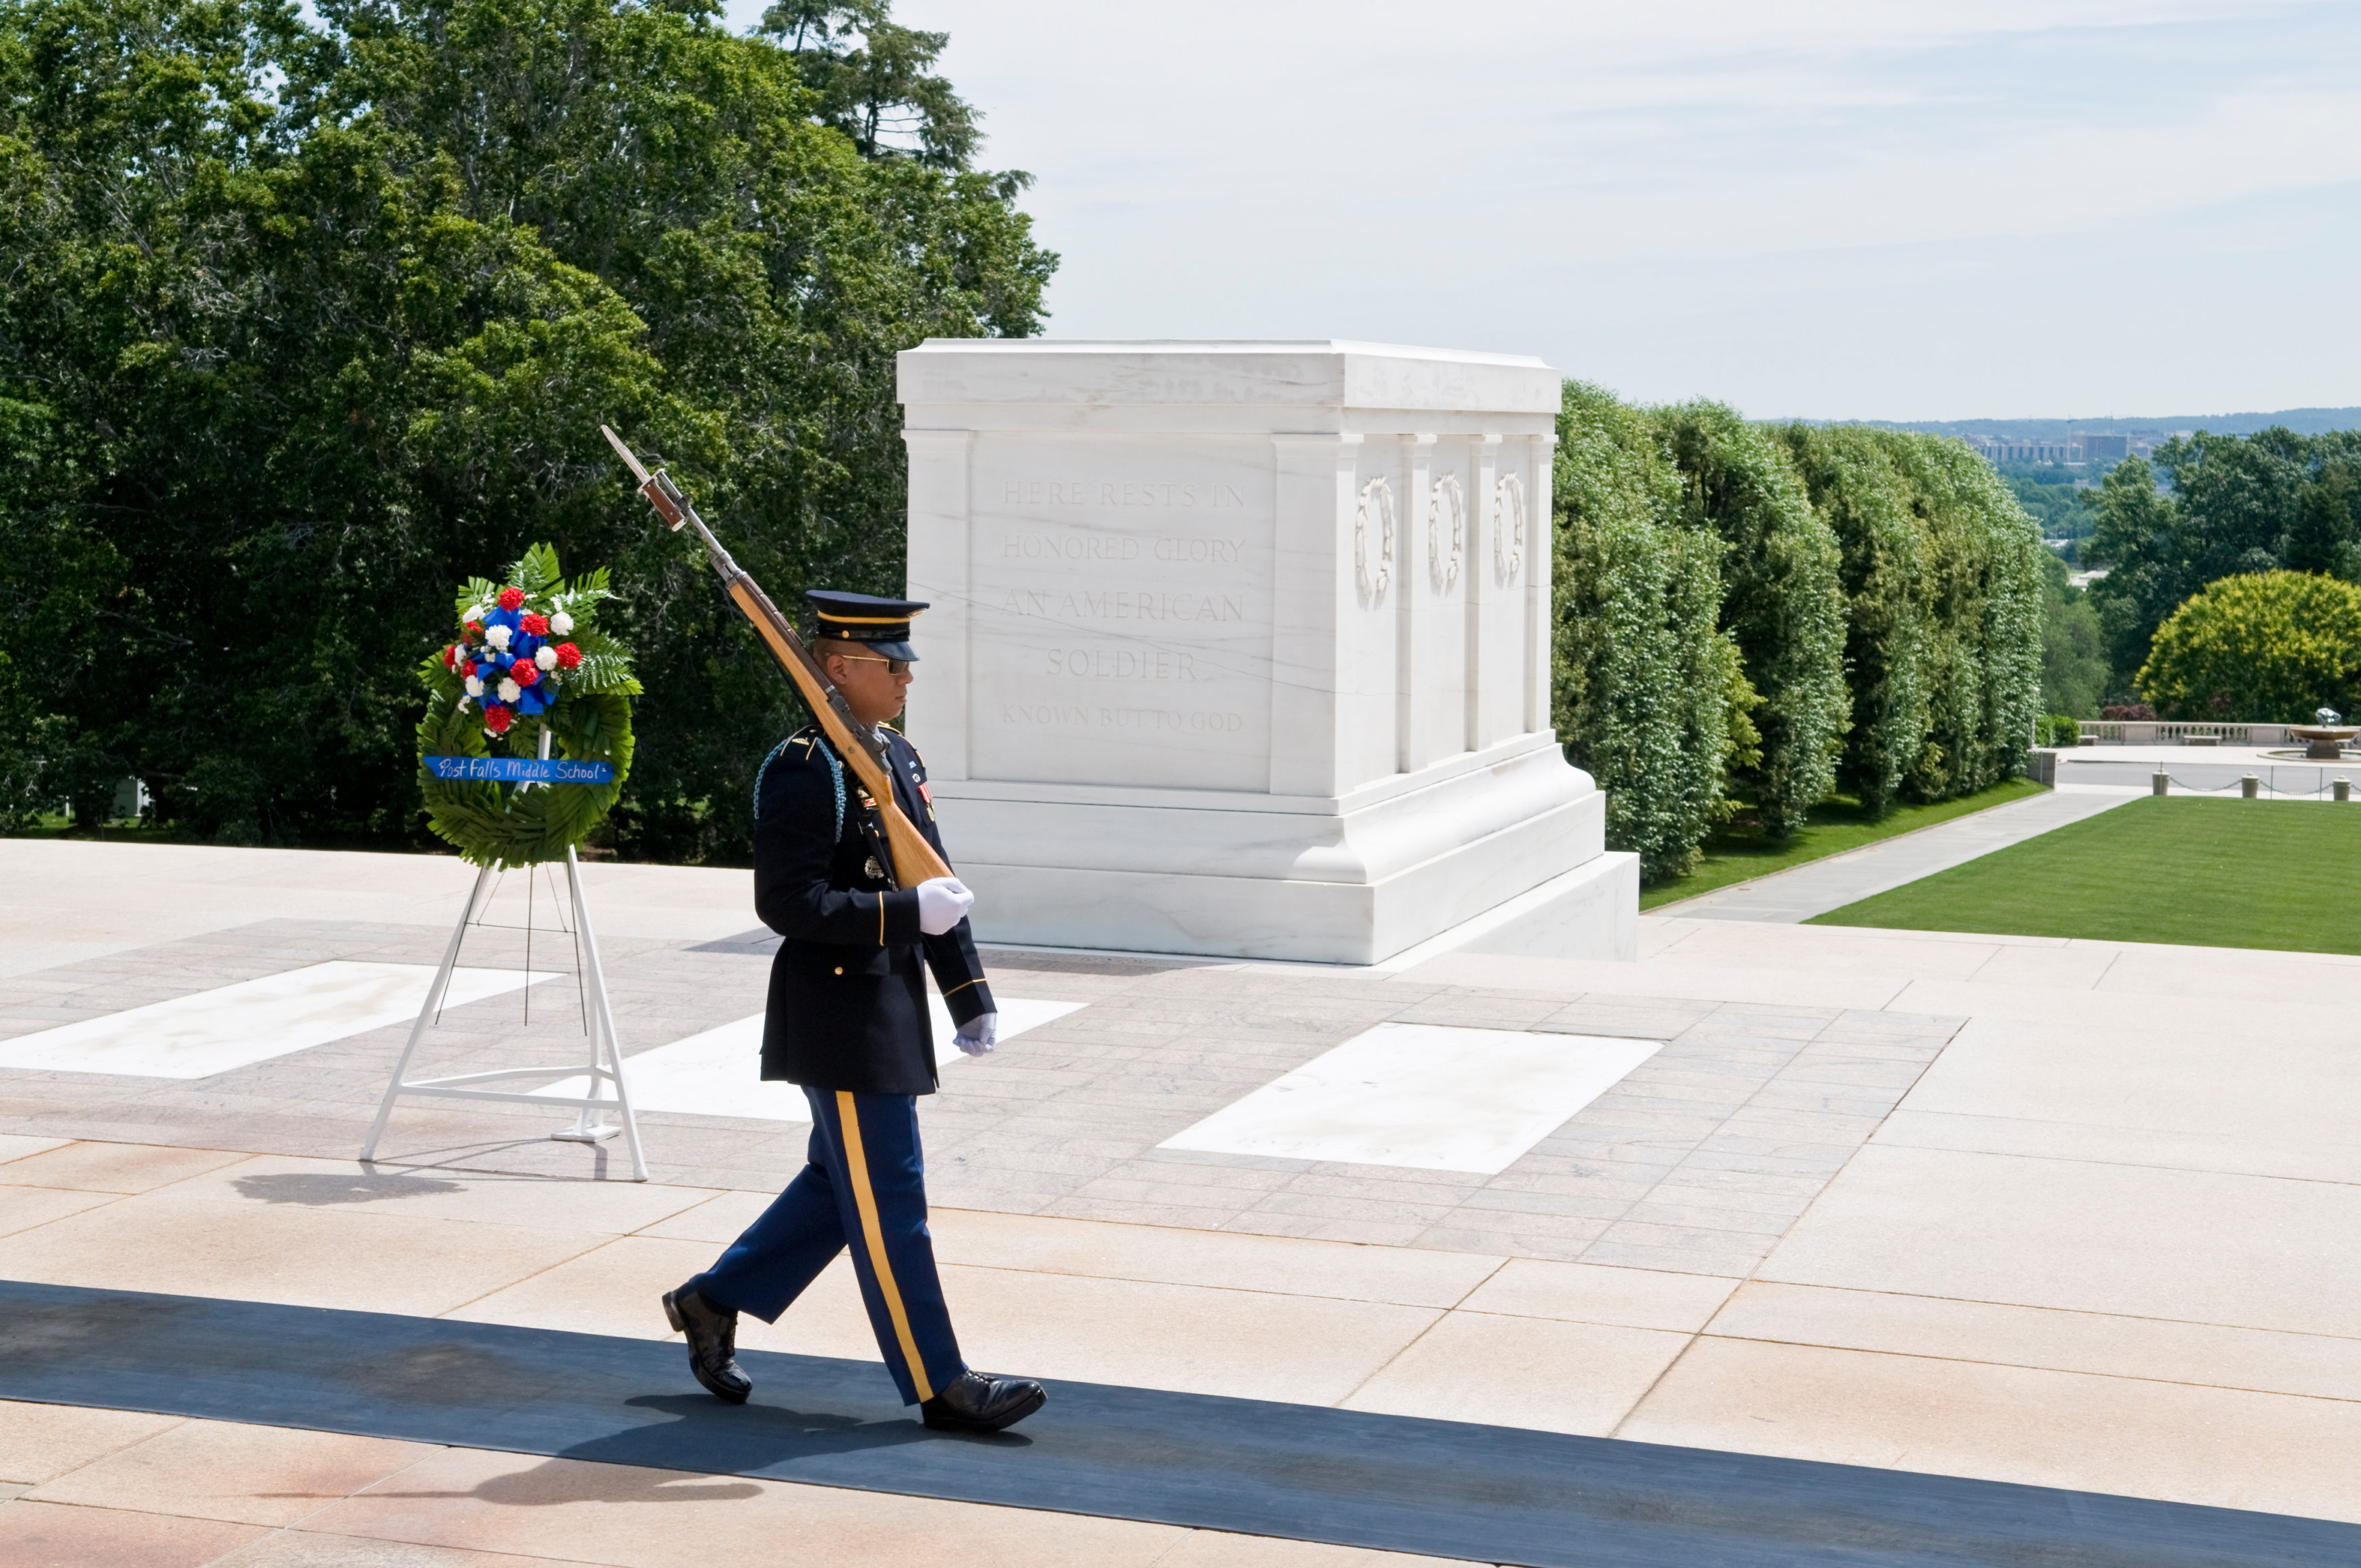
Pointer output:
x,y
712,1343
977,1402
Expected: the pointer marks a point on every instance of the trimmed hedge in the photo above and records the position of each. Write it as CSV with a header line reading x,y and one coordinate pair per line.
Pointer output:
x,y
1851,475
1984,575
1763,616
1647,691
1780,602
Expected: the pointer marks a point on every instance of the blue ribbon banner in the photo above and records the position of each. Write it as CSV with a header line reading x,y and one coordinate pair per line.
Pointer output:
x,y
519,770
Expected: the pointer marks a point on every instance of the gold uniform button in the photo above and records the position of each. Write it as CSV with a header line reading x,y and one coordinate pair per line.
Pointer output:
x,y
839,969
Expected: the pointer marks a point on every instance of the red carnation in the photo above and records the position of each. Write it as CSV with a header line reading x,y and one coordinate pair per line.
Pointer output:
x,y
451,657
497,720
537,625
568,655
512,597
523,672
473,631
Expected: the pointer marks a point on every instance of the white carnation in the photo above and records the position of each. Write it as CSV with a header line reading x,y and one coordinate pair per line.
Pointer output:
x,y
561,623
498,636
473,612
547,657
509,690
475,687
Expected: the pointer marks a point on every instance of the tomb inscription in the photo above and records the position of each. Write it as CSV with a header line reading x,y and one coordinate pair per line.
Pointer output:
x,y
1122,617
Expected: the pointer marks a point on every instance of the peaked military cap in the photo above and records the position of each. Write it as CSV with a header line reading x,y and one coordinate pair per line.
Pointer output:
x,y
882,623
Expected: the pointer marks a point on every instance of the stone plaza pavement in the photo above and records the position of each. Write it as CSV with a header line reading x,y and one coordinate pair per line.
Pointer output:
x,y
2078,1214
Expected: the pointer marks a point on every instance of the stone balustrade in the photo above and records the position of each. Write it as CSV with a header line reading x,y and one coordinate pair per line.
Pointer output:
x,y
2160,732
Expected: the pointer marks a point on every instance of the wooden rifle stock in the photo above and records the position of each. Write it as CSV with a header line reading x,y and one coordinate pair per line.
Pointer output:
x,y
914,859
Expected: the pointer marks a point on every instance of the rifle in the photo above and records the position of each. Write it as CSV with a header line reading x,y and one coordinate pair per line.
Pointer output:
x,y
914,859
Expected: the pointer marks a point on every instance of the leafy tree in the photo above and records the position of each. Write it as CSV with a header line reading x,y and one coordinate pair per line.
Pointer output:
x,y
70,633
2327,518
880,90
2238,505
306,323
1647,691
2238,497
2075,673
2058,506
1783,603
2137,541
2268,646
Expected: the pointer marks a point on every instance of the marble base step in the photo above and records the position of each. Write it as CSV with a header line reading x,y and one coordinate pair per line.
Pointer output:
x,y
1588,911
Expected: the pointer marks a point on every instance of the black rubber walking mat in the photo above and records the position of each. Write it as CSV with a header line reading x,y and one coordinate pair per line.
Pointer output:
x,y
1445,1488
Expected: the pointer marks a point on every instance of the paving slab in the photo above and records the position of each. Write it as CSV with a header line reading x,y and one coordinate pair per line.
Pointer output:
x,y
47,1534
245,1475
2082,1235
2311,1365
1944,1416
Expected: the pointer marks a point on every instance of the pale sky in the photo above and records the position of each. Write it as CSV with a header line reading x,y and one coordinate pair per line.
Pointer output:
x,y
1875,209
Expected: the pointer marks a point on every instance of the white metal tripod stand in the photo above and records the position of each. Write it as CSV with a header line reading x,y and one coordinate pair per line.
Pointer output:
x,y
590,1124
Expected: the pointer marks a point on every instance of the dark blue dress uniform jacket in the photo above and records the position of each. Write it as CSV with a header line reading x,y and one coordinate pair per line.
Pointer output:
x,y
848,1007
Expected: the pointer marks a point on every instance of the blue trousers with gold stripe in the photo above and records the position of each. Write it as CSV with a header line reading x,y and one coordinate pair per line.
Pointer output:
x,y
864,1187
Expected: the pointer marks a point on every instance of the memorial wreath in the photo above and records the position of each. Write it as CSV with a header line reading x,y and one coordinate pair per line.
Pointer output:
x,y
528,661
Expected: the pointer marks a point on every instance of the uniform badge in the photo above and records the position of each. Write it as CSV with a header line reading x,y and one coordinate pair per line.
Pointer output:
x,y
875,871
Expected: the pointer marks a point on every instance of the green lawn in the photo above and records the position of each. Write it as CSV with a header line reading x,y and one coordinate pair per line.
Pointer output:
x,y
1836,826
2215,874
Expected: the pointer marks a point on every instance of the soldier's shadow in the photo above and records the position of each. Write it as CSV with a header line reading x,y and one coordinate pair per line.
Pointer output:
x,y
707,1440
759,1437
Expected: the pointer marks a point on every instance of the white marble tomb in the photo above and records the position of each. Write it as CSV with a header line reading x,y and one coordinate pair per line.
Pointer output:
x,y
1242,649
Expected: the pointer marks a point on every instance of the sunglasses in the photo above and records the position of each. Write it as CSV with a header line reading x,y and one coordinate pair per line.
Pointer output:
x,y
893,666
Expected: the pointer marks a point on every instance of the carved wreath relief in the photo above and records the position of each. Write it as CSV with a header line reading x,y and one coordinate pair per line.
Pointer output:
x,y
1445,573
1507,527
1376,495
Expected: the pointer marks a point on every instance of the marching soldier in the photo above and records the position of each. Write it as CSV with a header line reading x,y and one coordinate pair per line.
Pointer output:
x,y
848,1021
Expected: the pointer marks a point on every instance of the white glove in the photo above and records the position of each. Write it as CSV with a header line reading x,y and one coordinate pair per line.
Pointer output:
x,y
979,1034
943,903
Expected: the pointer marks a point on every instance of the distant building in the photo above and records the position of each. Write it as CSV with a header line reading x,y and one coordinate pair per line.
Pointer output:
x,y
2009,449
2107,447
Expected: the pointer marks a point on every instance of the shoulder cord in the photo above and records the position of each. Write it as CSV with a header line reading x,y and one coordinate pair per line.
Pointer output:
x,y
835,773
764,771
836,776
